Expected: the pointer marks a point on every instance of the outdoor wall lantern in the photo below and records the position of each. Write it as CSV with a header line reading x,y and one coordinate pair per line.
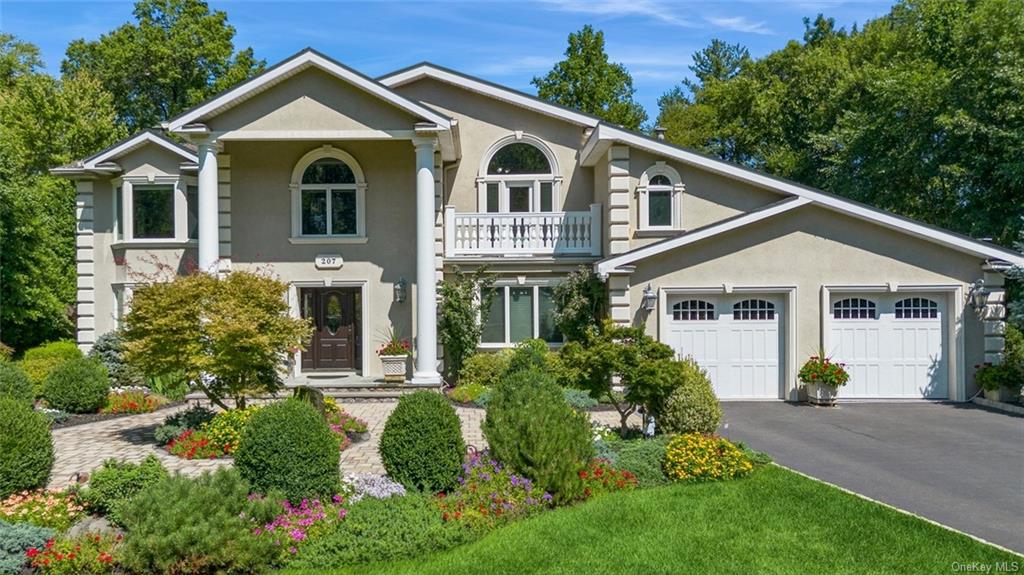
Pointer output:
x,y
978,296
401,290
650,299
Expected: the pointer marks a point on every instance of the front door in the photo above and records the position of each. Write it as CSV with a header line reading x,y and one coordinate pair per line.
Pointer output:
x,y
336,315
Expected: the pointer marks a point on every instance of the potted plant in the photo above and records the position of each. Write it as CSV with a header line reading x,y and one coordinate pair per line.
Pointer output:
x,y
394,355
992,378
822,379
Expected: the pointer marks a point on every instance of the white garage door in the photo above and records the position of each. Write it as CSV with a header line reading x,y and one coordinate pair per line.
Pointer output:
x,y
735,338
894,346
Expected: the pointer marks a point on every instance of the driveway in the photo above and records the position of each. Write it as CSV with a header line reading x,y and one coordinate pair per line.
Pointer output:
x,y
958,464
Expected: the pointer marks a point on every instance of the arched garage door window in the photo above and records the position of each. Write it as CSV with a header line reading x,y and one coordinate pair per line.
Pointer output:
x,y
693,309
753,309
917,308
854,308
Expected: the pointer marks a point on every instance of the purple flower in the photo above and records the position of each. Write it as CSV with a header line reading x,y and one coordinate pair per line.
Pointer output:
x,y
547,496
298,534
293,550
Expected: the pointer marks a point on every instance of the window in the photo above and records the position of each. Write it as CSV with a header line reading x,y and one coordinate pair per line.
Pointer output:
x,y
659,191
118,213
328,190
158,209
192,205
519,313
692,310
153,212
753,309
854,308
917,308
519,176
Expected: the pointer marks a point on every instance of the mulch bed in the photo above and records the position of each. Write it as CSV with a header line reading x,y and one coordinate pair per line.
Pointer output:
x,y
84,418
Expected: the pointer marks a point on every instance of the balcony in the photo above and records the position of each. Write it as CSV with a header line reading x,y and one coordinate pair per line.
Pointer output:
x,y
522,233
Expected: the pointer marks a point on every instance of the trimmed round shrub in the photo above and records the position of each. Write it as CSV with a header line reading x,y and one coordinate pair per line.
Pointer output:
x,y
692,407
485,368
116,482
26,448
288,447
109,350
38,362
422,446
531,429
14,383
77,386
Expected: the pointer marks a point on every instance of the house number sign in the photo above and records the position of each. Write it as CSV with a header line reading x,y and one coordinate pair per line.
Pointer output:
x,y
328,262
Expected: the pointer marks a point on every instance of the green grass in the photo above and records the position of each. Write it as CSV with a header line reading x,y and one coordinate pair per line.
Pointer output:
x,y
772,522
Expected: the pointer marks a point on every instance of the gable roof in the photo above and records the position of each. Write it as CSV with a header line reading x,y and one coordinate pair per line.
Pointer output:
x,y
305,59
102,161
481,86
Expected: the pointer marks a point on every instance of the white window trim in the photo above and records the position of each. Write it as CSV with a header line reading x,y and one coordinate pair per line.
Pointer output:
x,y
643,188
124,222
511,283
296,187
532,180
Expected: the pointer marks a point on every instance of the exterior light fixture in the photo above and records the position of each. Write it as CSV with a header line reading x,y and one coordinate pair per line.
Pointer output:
x,y
978,296
650,299
401,288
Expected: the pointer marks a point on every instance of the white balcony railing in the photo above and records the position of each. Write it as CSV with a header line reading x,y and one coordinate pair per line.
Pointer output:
x,y
533,233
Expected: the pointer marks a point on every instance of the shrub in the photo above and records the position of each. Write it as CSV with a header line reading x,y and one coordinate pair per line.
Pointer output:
x,y
692,407
226,427
77,386
192,418
578,399
87,554
15,540
181,525
600,478
531,429
991,377
109,350
490,495
643,458
421,445
38,362
115,483
287,446
485,369
53,509
132,402
377,530
15,384
700,457
360,485
467,392
26,447
462,313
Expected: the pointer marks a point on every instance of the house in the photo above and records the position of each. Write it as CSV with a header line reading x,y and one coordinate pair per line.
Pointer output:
x,y
362,193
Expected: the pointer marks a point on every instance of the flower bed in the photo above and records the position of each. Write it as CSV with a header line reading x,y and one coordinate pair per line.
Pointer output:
x,y
600,477
132,400
55,509
89,554
309,519
192,444
489,495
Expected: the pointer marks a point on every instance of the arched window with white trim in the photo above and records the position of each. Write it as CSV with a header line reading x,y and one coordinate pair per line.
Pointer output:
x,y
660,194
518,174
328,196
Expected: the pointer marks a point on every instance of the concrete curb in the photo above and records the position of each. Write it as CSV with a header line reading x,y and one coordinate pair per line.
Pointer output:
x,y
999,405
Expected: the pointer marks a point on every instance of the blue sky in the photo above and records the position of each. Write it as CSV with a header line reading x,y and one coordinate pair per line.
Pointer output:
x,y
505,42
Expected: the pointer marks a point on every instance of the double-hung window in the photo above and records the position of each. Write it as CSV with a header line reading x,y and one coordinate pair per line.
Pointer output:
x,y
155,210
519,178
517,313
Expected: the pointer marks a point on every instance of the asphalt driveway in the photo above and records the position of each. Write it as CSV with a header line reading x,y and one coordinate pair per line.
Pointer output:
x,y
958,464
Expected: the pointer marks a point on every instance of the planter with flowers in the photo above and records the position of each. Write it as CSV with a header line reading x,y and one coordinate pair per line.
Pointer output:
x,y
822,379
394,355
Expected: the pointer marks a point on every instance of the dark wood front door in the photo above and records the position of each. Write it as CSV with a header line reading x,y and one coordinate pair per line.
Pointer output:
x,y
336,315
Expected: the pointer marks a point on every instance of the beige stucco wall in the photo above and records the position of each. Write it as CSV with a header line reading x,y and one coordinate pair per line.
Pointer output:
x,y
809,248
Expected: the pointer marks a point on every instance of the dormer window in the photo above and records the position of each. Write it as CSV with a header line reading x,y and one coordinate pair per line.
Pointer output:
x,y
519,174
660,194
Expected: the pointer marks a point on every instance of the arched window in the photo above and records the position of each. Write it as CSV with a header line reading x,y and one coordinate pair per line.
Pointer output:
x,y
328,192
660,193
854,308
518,174
753,309
693,309
917,308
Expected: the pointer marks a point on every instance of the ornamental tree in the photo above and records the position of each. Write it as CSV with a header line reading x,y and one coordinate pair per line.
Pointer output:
x,y
229,335
580,303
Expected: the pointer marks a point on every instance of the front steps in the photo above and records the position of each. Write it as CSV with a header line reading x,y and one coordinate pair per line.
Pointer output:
x,y
350,385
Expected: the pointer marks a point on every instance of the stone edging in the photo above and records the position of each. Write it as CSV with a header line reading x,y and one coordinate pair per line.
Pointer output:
x,y
999,405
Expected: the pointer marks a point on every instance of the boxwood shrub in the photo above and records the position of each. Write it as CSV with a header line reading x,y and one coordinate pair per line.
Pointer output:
x,y
26,447
77,386
421,445
15,540
287,446
116,482
15,384
39,361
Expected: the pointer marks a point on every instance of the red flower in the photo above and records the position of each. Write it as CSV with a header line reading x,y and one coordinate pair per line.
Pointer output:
x,y
49,544
32,552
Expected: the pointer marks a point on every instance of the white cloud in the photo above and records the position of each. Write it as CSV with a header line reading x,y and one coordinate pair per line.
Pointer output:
x,y
650,8
511,66
739,24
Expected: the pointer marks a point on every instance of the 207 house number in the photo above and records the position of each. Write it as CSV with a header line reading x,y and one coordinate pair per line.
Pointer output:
x,y
328,262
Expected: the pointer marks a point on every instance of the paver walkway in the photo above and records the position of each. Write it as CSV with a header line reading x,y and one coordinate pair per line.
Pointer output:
x,y
82,448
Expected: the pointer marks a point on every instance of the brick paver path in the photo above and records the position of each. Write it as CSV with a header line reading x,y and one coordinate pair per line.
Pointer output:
x,y
81,448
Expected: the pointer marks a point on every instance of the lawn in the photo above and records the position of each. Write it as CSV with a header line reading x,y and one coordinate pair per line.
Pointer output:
x,y
772,522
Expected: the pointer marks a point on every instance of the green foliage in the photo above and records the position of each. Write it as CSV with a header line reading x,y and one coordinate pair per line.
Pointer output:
x,y
15,540
116,482
588,82
233,330
462,314
532,430
39,361
174,425
580,303
176,54
692,407
26,448
226,427
485,368
643,458
991,377
918,112
288,447
578,399
1013,355
755,457
181,526
109,350
14,383
421,445
376,530
467,392
77,386
17,59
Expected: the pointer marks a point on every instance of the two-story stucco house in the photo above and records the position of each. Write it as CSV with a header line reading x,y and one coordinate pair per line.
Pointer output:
x,y
362,193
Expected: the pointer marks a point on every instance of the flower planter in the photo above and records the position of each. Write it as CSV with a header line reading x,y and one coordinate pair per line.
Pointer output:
x,y
996,395
820,394
394,368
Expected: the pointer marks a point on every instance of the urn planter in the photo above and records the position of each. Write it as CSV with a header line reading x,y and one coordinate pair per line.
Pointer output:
x,y
821,394
394,367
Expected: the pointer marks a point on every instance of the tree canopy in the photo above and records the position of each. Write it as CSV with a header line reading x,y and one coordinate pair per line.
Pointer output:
x,y
919,112
588,82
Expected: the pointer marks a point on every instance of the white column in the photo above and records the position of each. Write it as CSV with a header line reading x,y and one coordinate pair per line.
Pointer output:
x,y
209,232
426,277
